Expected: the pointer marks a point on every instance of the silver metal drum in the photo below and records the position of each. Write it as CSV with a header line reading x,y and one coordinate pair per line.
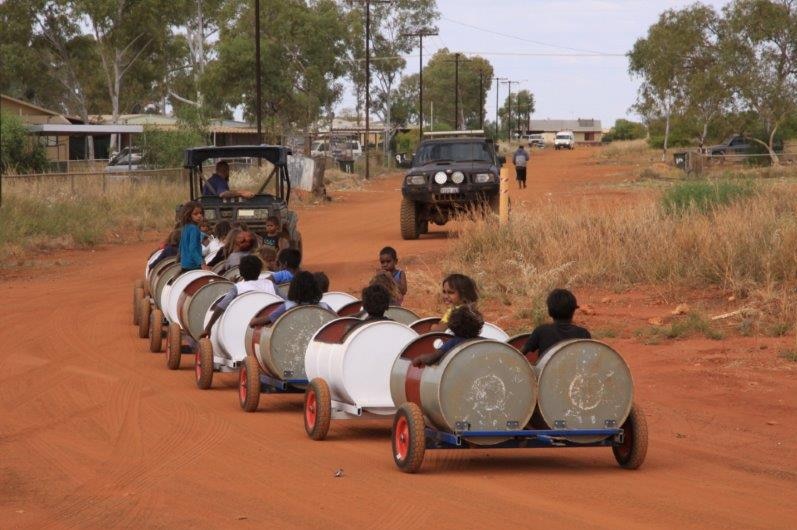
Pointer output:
x,y
232,274
480,385
337,300
357,366
401,315
198,297
491,331
584,384
219,267
282,346
162,281
156,271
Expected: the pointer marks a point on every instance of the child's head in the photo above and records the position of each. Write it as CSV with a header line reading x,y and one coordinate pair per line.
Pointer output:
x,y
304,289
561,304
269,257
322,280
250,267
204,227
388,284
272,225
246,241
173,238
221,229
466,322
459,289
289,258
388,259
376,300
191,212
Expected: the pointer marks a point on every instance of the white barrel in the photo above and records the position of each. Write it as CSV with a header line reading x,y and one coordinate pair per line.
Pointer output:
x,y
160,273
357,369
229,332
336,300
491,331
583,384
165,282
152,257
170,309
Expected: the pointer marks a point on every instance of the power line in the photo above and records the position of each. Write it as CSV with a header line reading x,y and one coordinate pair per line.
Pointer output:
x,y
523,39
507,54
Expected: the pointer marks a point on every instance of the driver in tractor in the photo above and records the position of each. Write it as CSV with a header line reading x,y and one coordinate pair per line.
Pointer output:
x,y
219,184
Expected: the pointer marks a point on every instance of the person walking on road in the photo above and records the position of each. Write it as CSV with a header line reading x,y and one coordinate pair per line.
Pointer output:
x,y
521,158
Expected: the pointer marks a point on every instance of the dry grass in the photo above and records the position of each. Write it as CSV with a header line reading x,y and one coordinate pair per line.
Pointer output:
x,y
628,151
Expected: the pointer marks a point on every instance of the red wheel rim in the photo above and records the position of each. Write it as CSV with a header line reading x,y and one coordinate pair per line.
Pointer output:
x,y
197,366
310,411
401,438
242,385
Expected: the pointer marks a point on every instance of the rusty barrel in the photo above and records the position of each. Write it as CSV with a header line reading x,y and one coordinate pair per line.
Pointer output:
x,y
229,332
156,271
280,348
583,384
337,300
171,310
480,385
401,315
197,299
163,284
356,360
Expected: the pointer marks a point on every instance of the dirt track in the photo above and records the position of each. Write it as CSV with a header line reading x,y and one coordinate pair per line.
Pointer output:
x,y
96,432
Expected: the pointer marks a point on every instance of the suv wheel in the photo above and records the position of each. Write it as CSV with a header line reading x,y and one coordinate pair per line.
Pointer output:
x,y
409,219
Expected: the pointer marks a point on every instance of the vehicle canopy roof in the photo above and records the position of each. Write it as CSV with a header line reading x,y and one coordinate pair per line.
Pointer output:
x,y
276,154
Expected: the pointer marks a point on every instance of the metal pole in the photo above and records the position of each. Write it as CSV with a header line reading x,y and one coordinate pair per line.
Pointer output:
x,y
367,86
456,91
257,73
497,86
420,88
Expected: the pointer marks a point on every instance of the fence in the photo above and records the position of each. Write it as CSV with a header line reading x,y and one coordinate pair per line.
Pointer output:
x,y
698,163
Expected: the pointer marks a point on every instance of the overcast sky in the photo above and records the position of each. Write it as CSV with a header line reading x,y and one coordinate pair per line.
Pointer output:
x,y
564,87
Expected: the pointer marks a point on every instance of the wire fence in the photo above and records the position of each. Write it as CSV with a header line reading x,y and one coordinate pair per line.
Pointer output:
x,y
87,183
697,162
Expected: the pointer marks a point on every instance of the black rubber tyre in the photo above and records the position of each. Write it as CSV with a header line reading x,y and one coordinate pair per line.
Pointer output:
x,y
409,219
156,331
144,310
317,409
203,364
249,384
408,438
631,453
174,346
138,294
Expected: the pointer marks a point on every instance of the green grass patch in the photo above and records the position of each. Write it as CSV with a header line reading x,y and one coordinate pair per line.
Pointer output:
x,y
704,195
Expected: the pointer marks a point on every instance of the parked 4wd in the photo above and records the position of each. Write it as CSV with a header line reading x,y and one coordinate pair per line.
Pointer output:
x,y
448,175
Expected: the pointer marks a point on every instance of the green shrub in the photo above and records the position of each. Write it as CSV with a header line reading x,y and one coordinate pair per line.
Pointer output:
x,y
406,142
164,149
19,151
705,195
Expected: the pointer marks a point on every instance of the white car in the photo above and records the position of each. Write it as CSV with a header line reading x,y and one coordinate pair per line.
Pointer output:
x,y
564,140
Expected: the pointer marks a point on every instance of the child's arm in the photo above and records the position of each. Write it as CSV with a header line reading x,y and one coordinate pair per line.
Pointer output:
x,y
213,318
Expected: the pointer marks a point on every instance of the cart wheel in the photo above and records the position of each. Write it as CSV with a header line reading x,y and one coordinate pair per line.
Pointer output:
x,y
156,331
174,346
144,309
203,364
631,453
317,409
408,438
138,294
249,384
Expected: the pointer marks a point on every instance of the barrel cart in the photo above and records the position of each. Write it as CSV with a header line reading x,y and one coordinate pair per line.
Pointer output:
x,y
394,312
152,317
489,330
338,300
348,362
140,289
483,394
275,353
225,349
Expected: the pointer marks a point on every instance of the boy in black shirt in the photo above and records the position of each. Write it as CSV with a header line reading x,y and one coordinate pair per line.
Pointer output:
x,y
561,306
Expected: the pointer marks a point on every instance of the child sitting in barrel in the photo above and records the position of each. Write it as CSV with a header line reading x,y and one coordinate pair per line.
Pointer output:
x,y
562,305
458,290
387,283
216,240
388,260
322,280
191,216
269,258
242,246
302,291
288,262
250,268
465,322
376,301
170,248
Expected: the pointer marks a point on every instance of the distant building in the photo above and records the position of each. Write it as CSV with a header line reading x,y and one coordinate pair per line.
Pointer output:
x,y
221,132
56,145
586,131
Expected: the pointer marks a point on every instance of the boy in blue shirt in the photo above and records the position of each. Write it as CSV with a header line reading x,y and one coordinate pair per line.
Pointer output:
x,y
288,261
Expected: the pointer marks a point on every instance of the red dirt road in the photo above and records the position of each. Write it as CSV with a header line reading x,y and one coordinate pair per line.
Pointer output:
x,y
96,432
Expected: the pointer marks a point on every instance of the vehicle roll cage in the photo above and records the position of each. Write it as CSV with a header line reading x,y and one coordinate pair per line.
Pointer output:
x,y
276,154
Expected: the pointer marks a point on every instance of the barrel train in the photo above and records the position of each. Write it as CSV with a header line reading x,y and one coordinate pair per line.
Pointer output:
x,y
482,393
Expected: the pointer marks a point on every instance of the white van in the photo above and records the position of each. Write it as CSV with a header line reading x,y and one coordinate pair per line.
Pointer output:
x,y
564,140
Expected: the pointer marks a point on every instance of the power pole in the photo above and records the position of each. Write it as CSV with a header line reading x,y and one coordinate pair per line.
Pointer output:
x,y
421,33
258,102
367,87
481,99
509,104
456,91
498,81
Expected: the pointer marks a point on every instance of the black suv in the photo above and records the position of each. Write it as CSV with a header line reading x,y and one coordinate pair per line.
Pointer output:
x,y
271,199
448,175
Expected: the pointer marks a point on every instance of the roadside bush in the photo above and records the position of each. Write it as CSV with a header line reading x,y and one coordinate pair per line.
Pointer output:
x,y
406,142
704,195
164,149
18,151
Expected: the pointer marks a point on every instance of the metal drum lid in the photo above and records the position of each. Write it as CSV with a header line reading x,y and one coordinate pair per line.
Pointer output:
x,y
156,271
152,257
398,374
491,331
401,315
368,354
178,285
164,279
232,274
330,336
485,385
235,319
336,300
584,384
199,304
220,267
289,337
424,325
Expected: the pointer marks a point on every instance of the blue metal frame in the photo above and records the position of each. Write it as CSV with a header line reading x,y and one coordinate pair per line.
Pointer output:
x,y
269,384
436,439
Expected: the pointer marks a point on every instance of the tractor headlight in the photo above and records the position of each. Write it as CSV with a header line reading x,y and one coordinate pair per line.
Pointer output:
x,y
458,177
416,180
440,177
483,178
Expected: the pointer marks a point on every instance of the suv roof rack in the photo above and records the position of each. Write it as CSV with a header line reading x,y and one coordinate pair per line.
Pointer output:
x,y
453,134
